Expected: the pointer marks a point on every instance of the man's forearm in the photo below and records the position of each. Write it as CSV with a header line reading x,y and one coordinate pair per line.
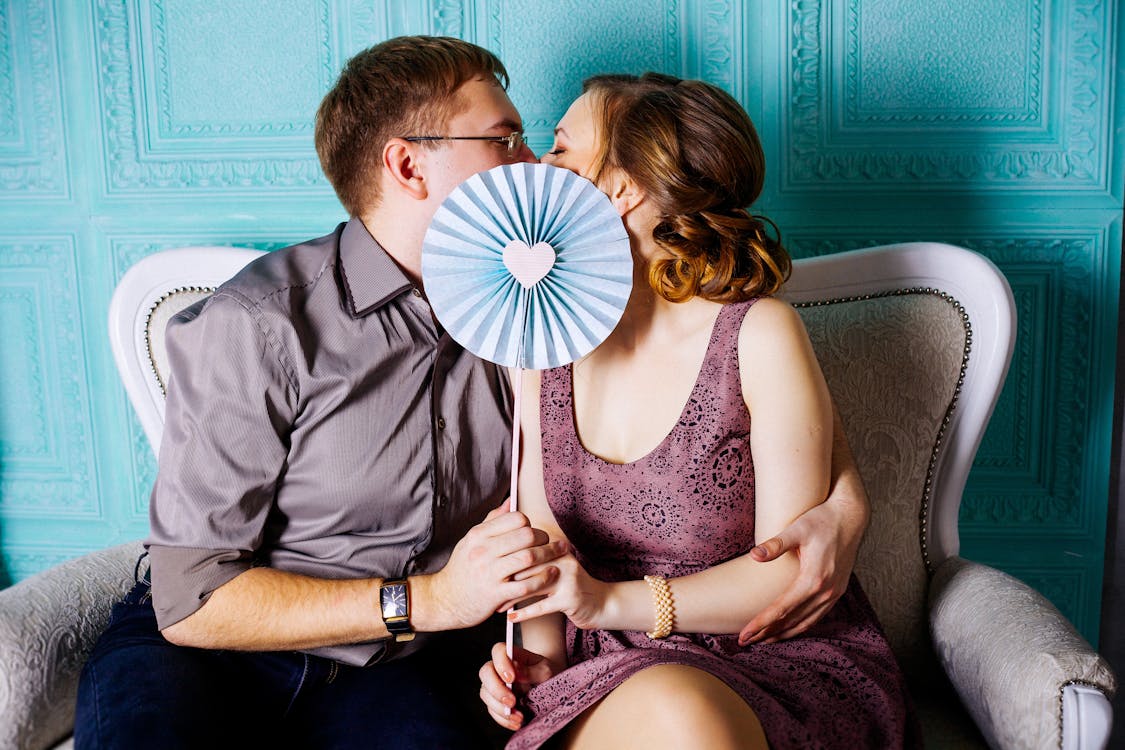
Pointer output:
x,y
263,609
847,490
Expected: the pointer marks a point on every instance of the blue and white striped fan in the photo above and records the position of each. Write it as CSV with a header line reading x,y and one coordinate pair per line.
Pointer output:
x,y
527,265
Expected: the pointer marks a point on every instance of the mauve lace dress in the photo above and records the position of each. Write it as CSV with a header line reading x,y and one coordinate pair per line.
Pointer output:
x,y
686,506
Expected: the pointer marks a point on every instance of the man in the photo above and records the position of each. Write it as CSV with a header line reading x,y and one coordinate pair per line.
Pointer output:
x,y
327,518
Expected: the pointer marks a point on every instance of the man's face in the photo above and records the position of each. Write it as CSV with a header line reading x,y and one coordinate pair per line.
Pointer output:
x,y
488,111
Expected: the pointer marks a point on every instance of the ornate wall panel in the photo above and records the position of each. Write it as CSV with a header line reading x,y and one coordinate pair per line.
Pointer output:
x,y
649,36
178,116
32,145
47,467
1011,98
1026,475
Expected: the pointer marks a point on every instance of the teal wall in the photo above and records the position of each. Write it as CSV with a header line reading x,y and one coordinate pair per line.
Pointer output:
x,y
127,126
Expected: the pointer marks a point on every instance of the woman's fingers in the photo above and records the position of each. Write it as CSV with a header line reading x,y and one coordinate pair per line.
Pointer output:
x,y
497,697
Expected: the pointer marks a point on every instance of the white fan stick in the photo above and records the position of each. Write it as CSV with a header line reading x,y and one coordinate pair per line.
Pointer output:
x,y
513,502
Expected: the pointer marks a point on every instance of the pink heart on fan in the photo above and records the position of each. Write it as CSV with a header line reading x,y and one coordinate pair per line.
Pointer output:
x,y
529,264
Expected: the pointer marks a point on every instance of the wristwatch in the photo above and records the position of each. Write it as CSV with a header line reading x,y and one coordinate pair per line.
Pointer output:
x,y
394,600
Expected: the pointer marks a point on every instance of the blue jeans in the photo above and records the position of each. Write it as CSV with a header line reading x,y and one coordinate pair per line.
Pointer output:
x,y
137,690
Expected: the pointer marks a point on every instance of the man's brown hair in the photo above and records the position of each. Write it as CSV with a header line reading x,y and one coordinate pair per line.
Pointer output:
x,y
404,86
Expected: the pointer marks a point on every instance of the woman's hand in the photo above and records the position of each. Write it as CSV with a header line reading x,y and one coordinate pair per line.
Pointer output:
x,y
574,593
528,670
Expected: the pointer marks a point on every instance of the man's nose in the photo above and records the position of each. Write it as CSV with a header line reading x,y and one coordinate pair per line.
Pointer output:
x,y
526,155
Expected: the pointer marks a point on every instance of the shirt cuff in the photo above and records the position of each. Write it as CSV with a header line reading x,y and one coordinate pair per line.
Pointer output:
x,y
184,577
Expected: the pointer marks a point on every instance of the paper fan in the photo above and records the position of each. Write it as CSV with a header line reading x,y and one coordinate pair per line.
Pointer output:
x,y
527,265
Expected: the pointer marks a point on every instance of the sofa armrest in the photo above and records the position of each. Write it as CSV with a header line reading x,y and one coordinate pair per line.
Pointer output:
x,y
1009,653
48,624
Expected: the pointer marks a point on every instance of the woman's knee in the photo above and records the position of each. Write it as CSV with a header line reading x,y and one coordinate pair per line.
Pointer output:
x,y
672,705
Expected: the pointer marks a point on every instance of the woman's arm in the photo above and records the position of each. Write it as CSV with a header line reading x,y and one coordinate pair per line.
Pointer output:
x,y
826,539
791,442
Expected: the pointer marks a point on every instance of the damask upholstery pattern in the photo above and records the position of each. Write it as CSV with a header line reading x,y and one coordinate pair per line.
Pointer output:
x,y
892,364
48,624
997,636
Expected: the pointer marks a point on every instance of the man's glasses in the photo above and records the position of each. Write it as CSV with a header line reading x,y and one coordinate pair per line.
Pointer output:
x,y
514,141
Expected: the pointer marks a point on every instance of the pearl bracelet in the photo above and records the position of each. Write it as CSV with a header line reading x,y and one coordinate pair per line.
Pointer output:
x,y
665,608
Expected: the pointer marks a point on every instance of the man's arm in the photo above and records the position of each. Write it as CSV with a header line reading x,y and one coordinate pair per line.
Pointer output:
x,y
826,539
263,609
231,403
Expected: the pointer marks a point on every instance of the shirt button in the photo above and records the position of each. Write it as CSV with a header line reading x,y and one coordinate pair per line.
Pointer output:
x,y
416,292
441,423
441,501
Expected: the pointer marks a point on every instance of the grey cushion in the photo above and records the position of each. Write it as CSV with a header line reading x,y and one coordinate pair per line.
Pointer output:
x,y
1009,652
48,624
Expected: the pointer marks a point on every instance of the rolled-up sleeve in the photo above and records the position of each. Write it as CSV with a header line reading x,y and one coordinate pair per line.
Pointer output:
x,y
231,401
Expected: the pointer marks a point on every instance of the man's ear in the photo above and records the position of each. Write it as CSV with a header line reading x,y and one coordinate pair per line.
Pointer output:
x,y
403,168
624,193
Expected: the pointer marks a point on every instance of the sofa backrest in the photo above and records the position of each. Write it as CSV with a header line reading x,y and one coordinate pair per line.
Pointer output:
x,y
914,341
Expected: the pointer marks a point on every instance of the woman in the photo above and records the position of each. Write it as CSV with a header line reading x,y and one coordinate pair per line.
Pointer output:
x,y
642,456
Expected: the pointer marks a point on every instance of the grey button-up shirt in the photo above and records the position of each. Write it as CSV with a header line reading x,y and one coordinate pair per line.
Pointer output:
x,y
319,421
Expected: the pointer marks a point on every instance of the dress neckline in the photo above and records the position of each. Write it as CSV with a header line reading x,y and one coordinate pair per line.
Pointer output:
x,y
573,416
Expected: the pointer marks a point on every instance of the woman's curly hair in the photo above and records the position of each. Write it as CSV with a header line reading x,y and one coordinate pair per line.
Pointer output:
x,y
696,154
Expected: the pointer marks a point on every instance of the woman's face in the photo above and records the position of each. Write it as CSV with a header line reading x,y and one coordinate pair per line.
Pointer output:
x,y
576,142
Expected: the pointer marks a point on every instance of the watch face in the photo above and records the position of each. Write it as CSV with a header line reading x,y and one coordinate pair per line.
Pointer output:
x,y
393,599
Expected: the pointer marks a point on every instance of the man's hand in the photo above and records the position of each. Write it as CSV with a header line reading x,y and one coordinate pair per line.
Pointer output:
x,y
826,539
479,578
826,546
527,671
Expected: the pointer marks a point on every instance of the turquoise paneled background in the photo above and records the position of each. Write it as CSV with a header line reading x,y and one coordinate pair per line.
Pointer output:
x,y
128,126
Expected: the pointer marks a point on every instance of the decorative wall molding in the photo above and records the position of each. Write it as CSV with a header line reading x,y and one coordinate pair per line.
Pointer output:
x,y
150,146
182,119
836,135
1042,490
369,22
543,86
648,37
1008,91
449,19
47,466
719,52
9,128
32,144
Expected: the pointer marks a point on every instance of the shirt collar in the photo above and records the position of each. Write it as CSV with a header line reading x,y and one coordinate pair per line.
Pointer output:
x,y
371,278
